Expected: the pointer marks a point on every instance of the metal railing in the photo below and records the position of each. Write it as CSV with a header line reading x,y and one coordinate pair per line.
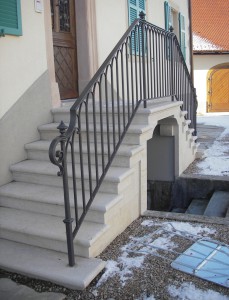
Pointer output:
x,y
146,64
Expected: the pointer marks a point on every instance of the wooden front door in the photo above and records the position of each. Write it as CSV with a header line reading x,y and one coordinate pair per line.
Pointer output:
x,y
218,89
64,44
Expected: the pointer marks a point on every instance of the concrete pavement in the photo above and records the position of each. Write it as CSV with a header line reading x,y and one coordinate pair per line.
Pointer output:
x,y
9,290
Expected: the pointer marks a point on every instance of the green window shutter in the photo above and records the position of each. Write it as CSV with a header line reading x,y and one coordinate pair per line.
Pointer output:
x,y
168,21
182,34
141,4
133,11
10,17
134,8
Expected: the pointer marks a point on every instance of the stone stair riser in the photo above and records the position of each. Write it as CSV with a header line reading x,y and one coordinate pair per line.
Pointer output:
x,y
130,138
52,244
107,186
138,119
118,161
50,209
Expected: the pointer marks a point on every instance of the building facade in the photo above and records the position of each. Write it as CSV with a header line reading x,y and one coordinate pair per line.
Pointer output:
x,y
211,55
56,52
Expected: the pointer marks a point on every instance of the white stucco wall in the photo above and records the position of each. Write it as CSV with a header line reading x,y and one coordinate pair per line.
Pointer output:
x,y
202,64
22,58
112,22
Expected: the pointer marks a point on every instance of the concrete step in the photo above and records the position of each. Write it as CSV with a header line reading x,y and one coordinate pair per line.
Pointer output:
x,y
134,135
227,214
63,114
48,265
196,150
189,133
48,232
197,207
39,151
183,113
50,200
45,173
142,116
186,124
218,204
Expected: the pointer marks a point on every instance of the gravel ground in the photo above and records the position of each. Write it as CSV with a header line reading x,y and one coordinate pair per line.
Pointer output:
x,y
152,278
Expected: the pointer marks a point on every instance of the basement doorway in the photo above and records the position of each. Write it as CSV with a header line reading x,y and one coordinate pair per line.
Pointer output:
x,y
160,170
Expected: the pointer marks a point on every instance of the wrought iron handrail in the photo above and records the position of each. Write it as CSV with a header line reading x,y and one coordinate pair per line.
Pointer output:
x,y
146,64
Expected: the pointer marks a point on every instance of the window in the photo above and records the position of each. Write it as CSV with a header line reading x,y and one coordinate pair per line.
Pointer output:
x,y
182,34
10,17
135,7
168,18
177,21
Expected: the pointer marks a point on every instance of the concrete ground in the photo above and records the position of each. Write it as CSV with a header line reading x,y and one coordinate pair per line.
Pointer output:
x,y
213,152
9,290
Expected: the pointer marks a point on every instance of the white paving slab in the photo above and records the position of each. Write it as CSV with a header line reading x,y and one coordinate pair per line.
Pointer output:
x,y
10,290
48,265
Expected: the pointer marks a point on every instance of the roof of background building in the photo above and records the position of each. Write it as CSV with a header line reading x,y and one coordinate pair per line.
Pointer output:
x,y
210,24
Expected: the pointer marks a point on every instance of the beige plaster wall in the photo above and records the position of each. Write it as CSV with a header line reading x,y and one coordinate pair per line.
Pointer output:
x,y
22,58
202,64
19,125
111,23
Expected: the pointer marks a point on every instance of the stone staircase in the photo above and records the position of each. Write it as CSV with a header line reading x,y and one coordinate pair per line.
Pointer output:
x,y
216,206
33,240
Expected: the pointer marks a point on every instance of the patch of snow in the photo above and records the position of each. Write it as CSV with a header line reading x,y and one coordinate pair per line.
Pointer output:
x,y
202,43
188,291
133,253
215,120
124,267
214,165
110,270
181,226
216,160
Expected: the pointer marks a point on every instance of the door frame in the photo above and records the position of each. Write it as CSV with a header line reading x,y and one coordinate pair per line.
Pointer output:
x,y
87,53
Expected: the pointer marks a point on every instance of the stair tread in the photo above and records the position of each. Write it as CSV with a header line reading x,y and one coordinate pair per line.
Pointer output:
x,y
150,106
54,195
218,204
197,207
132,129
115,174
190,130
46,226
48,265
124,149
